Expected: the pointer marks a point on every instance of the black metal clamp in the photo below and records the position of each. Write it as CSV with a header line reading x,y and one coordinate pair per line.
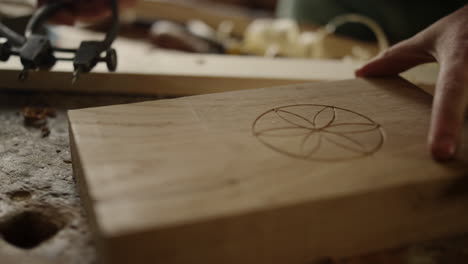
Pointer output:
x,y
37,52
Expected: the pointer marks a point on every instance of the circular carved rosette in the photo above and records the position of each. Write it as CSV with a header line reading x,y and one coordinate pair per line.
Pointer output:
x,y
318,132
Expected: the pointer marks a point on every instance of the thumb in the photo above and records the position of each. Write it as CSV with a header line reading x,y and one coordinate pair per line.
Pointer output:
x,y
399,58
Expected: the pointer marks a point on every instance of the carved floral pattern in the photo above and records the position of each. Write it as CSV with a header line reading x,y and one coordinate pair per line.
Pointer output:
x,y
316,132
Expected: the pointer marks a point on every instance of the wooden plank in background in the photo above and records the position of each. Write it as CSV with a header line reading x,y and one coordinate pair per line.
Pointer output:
x,y
182,75
163,73
146,70
209,179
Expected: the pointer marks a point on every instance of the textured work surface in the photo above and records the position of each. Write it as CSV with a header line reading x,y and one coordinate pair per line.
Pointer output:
x,y
37,191
40,167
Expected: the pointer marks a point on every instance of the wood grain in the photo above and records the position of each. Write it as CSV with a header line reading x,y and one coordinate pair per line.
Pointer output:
x,y
187,181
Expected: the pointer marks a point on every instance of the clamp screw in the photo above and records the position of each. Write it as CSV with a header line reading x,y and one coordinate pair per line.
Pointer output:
x,y
111,59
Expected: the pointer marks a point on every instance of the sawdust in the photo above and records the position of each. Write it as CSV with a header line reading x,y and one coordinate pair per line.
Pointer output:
x,y
37,117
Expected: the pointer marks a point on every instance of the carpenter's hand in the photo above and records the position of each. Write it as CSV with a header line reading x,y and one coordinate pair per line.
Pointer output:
x,y
87,10
446,42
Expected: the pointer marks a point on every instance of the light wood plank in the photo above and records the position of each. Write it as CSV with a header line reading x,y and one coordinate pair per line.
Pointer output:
x,y
146,70
183,75
197,179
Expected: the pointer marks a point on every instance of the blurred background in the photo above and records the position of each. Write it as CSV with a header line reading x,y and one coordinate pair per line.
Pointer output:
x,y
272,28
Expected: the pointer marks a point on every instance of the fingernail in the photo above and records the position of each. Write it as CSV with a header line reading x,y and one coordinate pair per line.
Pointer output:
x,y
358,72
444,149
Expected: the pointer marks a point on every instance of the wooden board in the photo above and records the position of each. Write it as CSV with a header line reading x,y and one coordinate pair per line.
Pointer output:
x,y
166,77
160,73
277,175
143,69
146,70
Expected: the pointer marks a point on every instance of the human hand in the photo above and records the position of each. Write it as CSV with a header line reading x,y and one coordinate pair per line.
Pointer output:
x,y
86,10
446,42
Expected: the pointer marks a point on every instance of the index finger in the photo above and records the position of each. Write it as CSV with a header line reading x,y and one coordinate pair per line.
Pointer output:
x,y
448,109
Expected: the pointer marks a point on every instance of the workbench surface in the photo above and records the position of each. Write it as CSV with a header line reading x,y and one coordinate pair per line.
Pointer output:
x,y
36,176
36,183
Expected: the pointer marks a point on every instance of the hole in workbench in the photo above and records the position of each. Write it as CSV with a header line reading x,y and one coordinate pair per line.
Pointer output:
x,y
29,229
20,195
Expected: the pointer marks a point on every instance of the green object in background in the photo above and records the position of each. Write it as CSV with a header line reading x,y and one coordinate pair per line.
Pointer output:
x,y
400,19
